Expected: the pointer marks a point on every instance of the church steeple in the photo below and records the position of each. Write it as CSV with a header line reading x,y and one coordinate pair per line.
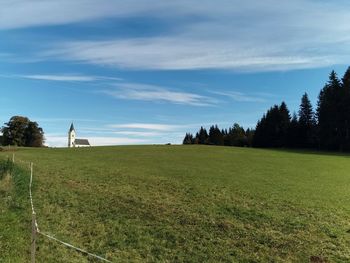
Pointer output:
x,y
71,128
71,136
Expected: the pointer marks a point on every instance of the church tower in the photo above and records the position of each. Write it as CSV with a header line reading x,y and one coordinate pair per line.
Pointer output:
x,y
71,136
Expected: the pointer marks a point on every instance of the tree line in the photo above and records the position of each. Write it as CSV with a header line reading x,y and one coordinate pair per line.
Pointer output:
x,y
325,128
22,132
234,136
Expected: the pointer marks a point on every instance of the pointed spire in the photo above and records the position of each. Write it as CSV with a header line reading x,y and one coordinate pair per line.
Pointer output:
x,y
71,128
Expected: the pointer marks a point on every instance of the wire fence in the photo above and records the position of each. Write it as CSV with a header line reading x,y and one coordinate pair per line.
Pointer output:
x,y
35,226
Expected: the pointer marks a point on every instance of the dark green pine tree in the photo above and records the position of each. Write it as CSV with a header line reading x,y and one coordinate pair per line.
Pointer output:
x,y
196,139
283,125
293,132
272,129
188,139
202,136
215,136
225,134
259,140
329,114
345,108
237,136
307,123
250,136
211,135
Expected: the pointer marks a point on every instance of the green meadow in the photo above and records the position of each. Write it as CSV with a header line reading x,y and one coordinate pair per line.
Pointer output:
x,y
179,204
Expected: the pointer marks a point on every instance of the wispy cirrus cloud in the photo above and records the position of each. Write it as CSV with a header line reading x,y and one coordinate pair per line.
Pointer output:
x,y
23,13
101,141
146,126
60,77
240,96
184,53
138,133
62,120
234,35
237,35
63,77
145,92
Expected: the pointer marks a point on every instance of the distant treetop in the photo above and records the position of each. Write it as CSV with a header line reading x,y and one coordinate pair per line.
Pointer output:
x,y
20,131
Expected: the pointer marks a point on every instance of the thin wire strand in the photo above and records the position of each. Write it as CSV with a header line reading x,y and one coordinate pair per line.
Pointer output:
x,y
74,247
51,237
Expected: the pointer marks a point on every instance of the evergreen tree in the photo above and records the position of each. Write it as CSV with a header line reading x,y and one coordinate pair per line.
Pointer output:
x,y
259,139
282,125
249,135
346,110
196,139
293,132
215,136
237,136
329,115
202,136
234,136
272,129
307,123
188,139
226,136
328,129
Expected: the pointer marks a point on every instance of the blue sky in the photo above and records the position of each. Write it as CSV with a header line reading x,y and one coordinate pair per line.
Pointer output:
x,y
141,72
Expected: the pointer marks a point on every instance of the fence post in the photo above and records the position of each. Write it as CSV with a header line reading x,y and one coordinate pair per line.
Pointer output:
x,y
13,158
33,247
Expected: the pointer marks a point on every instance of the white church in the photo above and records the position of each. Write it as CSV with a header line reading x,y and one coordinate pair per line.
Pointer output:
x,y
73,141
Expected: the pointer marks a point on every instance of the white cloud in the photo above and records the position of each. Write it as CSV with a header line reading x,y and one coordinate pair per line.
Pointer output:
x,y
133,91
138,133
66,120
101,141
63,77
60,77
250,35
56,140
247,36
27,13
147,126
240,96
182,53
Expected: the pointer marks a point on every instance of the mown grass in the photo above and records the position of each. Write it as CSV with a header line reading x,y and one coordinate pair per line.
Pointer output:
x,y
187,204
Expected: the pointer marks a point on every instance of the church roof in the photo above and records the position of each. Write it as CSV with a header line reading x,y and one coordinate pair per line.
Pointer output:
x,y
71,128
81,142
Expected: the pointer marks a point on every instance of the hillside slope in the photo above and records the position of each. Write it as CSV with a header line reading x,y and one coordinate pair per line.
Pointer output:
x,y
190,204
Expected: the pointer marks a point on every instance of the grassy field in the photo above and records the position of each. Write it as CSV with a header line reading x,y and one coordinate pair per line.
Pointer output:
x,y
180,204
